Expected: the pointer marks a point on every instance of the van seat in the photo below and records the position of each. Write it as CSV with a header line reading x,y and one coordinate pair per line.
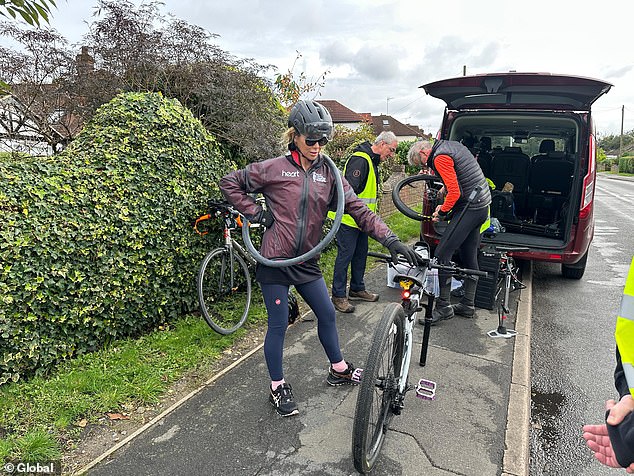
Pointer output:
x,y
550,184
511,165
546,146
484,156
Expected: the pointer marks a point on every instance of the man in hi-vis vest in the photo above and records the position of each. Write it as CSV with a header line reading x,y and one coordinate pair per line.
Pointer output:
x,y
362,173
613,443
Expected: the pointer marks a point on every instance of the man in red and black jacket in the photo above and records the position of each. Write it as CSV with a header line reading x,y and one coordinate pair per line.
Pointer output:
x,y
460,174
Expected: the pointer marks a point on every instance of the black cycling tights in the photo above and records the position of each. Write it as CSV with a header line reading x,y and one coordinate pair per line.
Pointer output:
x,y
465,237
316,296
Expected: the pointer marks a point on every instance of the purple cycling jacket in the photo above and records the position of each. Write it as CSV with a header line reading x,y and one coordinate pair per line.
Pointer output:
x,y
299,201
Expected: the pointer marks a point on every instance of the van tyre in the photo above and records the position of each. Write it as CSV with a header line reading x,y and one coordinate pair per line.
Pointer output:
x,y
575,271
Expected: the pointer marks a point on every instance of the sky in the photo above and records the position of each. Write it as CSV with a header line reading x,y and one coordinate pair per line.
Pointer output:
x,y
378,52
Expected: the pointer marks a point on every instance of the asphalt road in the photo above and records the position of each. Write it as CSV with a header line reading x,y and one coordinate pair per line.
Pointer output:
x,y
572,344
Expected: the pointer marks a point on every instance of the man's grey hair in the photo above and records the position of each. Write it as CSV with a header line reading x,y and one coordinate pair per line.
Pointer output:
x,y
386,136
412,155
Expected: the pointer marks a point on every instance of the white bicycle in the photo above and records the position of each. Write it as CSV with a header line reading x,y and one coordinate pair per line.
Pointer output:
x,y
385,377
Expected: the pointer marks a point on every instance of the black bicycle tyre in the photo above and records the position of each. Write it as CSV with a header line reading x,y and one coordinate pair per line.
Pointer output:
x,y
388,340
283,263
242,300
398,202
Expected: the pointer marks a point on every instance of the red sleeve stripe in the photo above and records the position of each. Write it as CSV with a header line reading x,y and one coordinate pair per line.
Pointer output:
x,y
444,165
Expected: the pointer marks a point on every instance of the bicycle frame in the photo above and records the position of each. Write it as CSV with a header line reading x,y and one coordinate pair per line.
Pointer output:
x,y
410,319
238,257
411,304
232,221
231,244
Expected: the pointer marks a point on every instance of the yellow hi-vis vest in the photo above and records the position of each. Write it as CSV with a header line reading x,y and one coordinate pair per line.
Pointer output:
x,y
624,333
367,195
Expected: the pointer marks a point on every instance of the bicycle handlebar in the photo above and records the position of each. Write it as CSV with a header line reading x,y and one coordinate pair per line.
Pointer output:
x,y
431,265
217,208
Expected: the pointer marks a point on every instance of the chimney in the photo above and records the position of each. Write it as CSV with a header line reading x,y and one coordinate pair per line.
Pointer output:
x,y
85,62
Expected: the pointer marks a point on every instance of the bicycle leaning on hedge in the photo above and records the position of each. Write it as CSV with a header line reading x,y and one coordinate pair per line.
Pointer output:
x,y
385,377
224,278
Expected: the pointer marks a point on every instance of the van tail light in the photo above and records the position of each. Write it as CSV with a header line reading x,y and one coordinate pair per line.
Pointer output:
x,y
588,182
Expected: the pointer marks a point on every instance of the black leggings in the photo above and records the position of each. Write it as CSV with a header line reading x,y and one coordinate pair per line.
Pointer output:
x,y
316,296
465,237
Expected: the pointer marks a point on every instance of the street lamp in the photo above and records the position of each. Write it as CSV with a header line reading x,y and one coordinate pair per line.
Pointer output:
x,y
387,106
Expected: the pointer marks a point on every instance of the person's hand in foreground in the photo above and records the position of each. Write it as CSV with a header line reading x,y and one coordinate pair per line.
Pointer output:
x,y
597,438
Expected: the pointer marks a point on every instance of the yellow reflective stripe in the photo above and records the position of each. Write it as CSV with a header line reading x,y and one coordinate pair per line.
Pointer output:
x,y
629,283
627,307
369,200
628,369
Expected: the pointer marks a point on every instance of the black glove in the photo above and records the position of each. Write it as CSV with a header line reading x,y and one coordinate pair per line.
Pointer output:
x,y
265,218
398,248
445,216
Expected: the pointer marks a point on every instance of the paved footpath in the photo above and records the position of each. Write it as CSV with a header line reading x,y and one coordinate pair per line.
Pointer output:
x,y
478,425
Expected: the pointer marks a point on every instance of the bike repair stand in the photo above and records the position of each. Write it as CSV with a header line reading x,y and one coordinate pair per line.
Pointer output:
x,y
426,389
502,331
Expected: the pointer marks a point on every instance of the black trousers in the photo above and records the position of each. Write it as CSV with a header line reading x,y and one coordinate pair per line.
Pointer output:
x,y
463,236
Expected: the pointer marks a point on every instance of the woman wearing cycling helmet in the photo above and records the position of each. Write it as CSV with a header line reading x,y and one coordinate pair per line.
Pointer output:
x,y
299,189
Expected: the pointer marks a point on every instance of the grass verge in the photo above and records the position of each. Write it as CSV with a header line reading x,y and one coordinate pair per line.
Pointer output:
x,y
43,418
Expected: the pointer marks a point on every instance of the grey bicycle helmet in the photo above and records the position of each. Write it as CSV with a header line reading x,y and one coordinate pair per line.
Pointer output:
x,y
311,119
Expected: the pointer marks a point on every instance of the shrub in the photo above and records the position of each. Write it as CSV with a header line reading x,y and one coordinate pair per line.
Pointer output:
x,y
96,243
626,165
345,140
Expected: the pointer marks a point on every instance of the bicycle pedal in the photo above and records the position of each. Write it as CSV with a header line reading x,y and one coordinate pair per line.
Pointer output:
x,y
426,389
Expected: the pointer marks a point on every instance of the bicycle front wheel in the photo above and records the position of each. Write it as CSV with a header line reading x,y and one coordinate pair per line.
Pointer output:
x,y
378,393
224,290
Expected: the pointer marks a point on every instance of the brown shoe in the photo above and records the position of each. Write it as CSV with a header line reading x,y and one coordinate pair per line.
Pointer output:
x,y
363,295
342,304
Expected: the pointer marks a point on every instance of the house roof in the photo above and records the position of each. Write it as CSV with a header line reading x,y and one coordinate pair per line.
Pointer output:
x,y
388,123
342,114
339,112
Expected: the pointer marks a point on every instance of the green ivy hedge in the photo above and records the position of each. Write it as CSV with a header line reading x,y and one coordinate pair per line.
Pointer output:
x,y
97,243
626,165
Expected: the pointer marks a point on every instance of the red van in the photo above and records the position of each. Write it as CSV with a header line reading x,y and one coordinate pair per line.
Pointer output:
x,y
532,134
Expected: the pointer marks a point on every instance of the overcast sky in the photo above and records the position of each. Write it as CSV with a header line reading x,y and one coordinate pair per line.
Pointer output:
x,y
379,49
